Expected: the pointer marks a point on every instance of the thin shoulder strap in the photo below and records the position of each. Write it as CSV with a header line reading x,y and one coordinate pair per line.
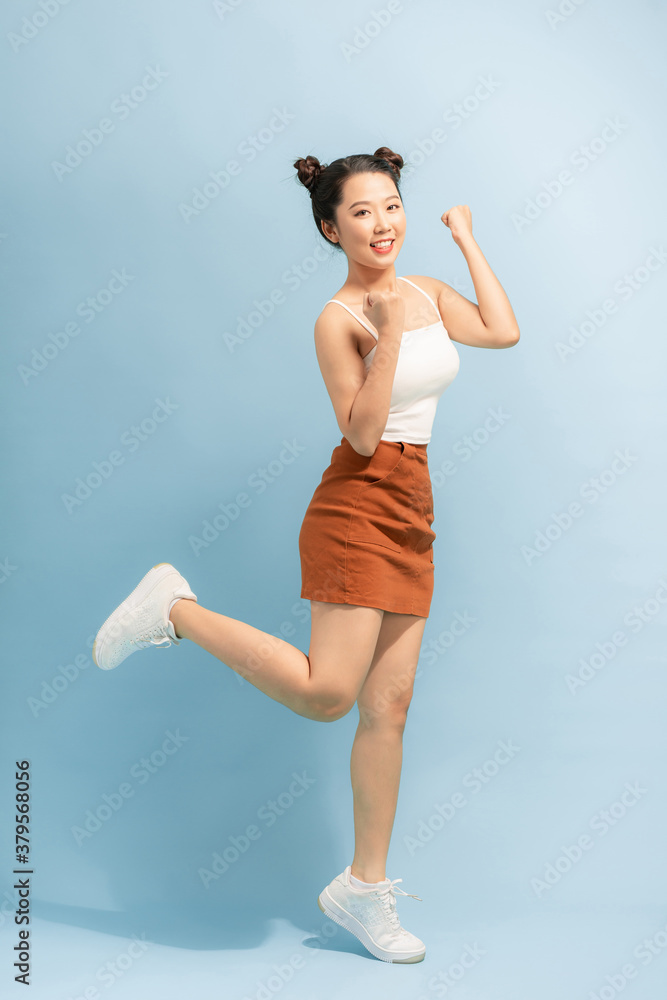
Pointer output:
x,y
422,291
352,313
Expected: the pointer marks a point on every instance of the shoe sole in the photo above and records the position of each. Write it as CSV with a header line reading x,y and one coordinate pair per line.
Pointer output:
x,y
125,607
355,927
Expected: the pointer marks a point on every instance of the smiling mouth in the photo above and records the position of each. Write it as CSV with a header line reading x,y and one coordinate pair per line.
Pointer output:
x,y
382,244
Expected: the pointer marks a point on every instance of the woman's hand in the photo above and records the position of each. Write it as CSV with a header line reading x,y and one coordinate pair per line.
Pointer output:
x,y
459,220
385,310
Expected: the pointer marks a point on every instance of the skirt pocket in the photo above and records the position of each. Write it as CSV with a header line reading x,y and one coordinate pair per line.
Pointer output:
x,y
384,462
381,515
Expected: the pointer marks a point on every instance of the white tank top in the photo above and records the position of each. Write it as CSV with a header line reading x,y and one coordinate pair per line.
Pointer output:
x,y
427,363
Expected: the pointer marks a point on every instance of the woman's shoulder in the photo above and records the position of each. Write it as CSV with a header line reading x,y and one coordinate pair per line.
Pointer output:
x,y
331,310
431,285
342,295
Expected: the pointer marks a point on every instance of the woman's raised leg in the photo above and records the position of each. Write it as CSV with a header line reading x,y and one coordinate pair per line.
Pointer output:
x,y
323,685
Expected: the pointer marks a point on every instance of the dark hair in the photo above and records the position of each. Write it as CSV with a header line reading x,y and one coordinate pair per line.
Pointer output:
x,y
325,181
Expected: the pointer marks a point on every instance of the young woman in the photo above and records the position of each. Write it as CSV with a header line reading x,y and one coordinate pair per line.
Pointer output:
x,y
385,349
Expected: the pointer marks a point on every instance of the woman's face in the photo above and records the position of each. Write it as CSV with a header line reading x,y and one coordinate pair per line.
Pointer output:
x,y
371,211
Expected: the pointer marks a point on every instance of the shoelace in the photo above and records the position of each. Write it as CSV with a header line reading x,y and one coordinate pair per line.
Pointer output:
x,y
162,643
387,898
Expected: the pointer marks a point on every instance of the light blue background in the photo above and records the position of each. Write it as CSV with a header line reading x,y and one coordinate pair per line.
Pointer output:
x,y
165,337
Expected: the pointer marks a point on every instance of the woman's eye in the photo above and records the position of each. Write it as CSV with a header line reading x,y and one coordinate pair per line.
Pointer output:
x,y
394,205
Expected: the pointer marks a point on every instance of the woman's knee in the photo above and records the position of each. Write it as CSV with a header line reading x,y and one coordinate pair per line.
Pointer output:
x,y
332,704
388,713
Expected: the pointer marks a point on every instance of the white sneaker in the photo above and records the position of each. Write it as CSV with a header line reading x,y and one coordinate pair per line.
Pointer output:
x,y
370,914
142,619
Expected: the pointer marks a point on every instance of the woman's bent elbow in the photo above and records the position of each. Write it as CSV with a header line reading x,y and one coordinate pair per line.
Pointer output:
x,y
364,448
361,445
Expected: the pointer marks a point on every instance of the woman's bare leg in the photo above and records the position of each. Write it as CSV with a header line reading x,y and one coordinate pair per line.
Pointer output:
x,y
377,751
323,685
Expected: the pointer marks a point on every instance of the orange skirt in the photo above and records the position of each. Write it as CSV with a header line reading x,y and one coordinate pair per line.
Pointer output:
x,y
366,537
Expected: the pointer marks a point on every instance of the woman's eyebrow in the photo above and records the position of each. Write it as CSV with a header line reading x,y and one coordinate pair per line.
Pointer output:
x,y
395,196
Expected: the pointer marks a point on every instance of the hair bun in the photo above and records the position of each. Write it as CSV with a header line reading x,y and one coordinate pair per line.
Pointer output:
x,y
308,171
395,160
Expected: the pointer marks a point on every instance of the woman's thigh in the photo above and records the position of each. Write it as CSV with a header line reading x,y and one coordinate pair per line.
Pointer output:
x,y
343,638
387,690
